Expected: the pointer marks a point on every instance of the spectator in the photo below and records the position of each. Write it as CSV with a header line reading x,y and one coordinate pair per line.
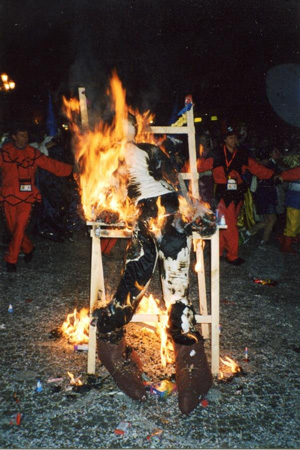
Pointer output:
x,y
291,232
18,163
229,167
266,198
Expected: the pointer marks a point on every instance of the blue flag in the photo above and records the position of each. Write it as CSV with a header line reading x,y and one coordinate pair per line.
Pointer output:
x,y
51,124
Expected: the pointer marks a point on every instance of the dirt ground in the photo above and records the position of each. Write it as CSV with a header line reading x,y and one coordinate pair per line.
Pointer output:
x,y
257,410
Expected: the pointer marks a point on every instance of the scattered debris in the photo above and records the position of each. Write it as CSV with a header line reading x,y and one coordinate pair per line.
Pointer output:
x,y
267,282
246,359
55,380
156,433
39,386
122,428
81,347
163,388
16,419
204,403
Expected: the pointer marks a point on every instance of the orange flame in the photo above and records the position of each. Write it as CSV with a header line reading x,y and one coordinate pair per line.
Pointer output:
x,y
74,381
100,155
76,327
155,225
201,150
231,368
150,305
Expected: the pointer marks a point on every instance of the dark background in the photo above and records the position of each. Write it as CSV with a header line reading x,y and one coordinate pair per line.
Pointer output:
x,y
218,51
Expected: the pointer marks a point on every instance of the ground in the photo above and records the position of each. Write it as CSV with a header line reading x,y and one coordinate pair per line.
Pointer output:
x,y
257,410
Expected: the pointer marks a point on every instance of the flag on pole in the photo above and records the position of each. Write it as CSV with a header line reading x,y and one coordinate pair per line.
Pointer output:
x,y
51,124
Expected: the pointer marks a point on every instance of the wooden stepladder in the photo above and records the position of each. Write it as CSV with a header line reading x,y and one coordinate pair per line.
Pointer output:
x,y
97,284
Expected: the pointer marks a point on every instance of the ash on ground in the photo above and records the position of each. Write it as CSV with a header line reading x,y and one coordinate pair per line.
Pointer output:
x,y
257,410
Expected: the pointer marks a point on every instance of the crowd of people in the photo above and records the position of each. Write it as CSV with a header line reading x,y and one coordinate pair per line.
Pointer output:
x,y
247,180
239,177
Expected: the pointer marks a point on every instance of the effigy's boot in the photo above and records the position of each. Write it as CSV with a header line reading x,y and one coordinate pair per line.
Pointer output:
x,y
193,375
124,365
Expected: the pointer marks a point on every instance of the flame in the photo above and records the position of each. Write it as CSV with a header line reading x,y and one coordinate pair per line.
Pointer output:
x,y
231,368
155,224
150,305
186,209
74,381
201,150
76,327
100,156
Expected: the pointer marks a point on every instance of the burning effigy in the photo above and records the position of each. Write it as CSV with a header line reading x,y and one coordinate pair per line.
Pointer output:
x,y
126,176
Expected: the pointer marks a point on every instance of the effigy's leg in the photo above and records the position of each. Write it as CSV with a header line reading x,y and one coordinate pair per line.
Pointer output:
x,y
193,375
122,361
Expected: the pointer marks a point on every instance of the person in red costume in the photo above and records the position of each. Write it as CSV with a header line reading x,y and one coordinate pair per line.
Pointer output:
x,y
18,163
229,166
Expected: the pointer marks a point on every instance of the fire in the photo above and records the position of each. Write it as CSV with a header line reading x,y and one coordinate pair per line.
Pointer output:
x,y
155,225
74,381
76,327
231,368
100,155
150,305
201,150
186,208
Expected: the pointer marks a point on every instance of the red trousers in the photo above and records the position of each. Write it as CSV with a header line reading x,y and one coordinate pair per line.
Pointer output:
x,y
229,238
17,217
107,244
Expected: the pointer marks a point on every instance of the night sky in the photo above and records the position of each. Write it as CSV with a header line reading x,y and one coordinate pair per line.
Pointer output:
x,y
219,51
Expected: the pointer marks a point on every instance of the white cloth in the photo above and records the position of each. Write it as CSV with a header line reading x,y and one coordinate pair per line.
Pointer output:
x,y
137,165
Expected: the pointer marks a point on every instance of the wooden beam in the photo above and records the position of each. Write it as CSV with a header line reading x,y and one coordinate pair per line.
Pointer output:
x,y
97,292
83,108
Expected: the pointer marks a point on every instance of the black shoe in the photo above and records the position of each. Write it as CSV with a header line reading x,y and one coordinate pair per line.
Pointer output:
x,y
236,262
11,267
28,256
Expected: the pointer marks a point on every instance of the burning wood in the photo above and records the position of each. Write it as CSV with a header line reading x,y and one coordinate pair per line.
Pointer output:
x,y
74,381
76,327
229,370
100,155
150,305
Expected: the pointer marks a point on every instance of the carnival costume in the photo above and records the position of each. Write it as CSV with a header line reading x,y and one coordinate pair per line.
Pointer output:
x,y
18,192
228,171
292,200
